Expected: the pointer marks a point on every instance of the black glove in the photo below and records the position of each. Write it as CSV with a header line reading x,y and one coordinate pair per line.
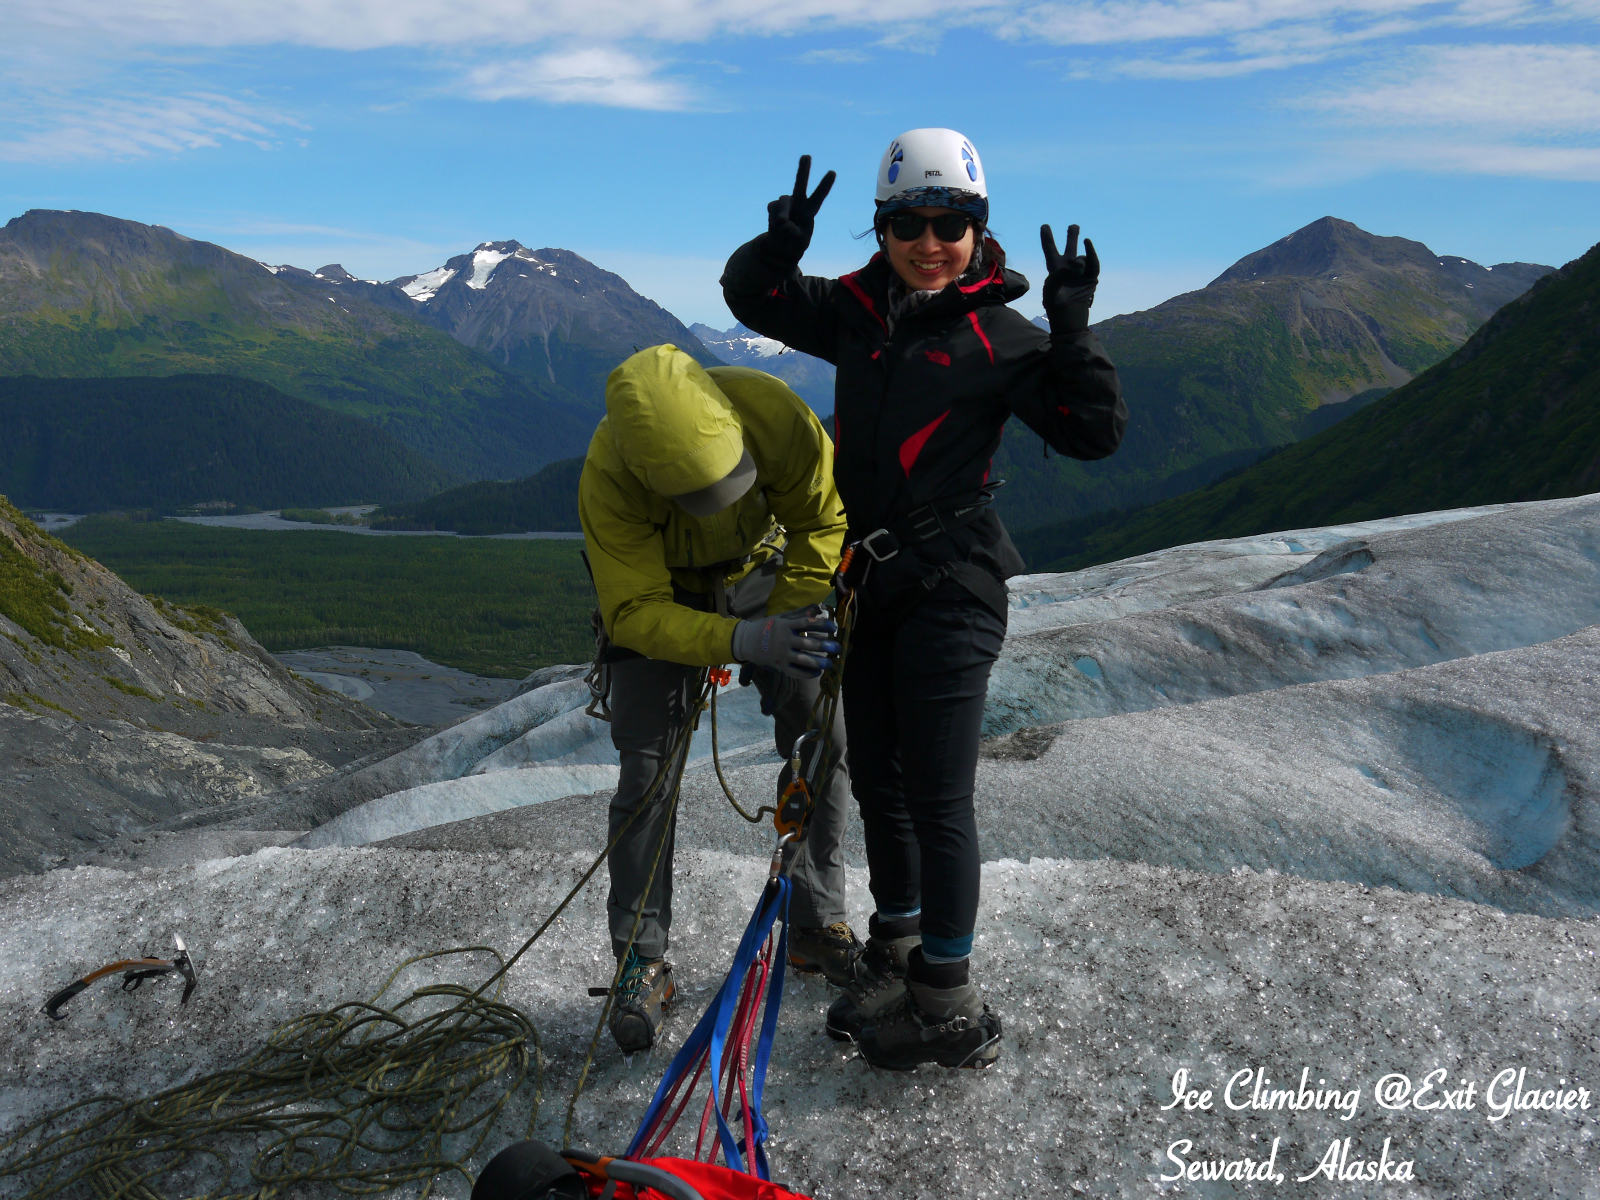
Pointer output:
x,y
792,218
1069,281
799,643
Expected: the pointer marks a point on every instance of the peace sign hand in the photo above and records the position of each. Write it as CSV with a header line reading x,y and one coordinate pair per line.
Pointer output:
x,y
792,219
1070,280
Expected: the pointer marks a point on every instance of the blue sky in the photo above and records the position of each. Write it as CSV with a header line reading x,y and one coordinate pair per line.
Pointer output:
x,y
389,134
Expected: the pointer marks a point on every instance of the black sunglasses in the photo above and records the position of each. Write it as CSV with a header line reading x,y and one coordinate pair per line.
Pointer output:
x,y
907,226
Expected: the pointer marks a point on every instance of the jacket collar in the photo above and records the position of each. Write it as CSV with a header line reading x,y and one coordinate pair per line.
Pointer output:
x,y
869,289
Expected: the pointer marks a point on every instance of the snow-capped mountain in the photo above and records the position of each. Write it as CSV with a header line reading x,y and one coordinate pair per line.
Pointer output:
x,y
811,378
548,313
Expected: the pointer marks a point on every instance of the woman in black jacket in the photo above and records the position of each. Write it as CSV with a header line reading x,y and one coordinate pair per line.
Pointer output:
x,y
930,363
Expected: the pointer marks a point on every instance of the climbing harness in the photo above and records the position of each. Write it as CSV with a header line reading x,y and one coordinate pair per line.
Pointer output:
x,y
134,972
923,524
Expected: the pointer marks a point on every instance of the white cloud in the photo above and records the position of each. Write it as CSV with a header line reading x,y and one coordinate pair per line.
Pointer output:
x,y
1122,22
367,24
138,127
1201,65
1540,162
835,56
1221,38
597,75
1463,156
1525,89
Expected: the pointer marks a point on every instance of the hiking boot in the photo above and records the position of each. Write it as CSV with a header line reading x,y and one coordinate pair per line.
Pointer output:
x,y
951,1026
645,992
876,979
832,951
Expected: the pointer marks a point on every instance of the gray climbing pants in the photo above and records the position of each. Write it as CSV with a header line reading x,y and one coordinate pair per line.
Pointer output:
x,y
649,700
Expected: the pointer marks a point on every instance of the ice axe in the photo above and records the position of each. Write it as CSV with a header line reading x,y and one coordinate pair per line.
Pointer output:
x,y
134,972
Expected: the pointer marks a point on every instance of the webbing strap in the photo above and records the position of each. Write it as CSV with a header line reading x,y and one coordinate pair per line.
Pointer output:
x,y
707,1044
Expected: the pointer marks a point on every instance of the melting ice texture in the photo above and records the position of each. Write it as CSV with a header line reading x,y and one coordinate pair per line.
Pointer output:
x,y
1166,630
1201,622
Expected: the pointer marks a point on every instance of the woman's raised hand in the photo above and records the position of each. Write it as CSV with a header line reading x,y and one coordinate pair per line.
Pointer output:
x,y
1070,280
792,219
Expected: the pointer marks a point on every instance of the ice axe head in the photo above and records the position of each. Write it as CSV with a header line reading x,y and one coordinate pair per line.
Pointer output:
x,y
134,972
185,964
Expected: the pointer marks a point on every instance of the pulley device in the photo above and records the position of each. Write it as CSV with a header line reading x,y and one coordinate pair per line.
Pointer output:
x,y
134,972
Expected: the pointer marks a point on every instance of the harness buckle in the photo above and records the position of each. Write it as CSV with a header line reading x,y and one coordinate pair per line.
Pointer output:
x,y
893,548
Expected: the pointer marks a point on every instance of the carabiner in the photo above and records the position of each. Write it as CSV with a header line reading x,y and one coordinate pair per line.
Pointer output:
x,y
776,867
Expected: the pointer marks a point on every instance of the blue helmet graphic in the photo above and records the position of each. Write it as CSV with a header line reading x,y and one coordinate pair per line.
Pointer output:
x,y
969,161
896,157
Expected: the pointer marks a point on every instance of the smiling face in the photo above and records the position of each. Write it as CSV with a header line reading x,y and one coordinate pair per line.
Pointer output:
x,y
926,263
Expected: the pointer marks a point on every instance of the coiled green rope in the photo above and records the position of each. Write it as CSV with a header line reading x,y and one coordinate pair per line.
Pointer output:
x,y
360,1099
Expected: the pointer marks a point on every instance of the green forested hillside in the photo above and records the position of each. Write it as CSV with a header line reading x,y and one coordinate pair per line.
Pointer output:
x,y
1215,377
1039,489
547,501
88,445
487,606
83,294
1513,415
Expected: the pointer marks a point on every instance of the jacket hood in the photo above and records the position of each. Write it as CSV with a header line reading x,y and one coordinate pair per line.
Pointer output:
x,y
674,429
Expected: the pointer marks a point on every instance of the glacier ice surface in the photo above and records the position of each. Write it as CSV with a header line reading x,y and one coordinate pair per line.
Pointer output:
x,y
1344,825
1109,978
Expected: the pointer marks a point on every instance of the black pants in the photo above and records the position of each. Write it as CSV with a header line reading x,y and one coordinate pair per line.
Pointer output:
x,y
914,688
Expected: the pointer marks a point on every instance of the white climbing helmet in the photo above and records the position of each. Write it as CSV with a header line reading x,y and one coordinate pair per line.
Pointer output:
x,y
934,167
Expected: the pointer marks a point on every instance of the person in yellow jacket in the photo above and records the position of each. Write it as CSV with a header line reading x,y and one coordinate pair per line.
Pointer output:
x,y
713,529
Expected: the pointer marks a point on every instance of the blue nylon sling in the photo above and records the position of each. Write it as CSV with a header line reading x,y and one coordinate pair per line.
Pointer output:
x,y
710,1035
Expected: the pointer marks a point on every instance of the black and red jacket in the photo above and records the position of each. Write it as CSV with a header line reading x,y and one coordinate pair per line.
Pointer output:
x,y
918,413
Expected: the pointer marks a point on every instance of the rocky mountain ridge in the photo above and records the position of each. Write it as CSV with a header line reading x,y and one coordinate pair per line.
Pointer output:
x,y
88,295
1217,376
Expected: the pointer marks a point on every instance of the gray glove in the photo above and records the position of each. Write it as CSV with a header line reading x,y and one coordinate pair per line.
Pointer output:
x,y
799,643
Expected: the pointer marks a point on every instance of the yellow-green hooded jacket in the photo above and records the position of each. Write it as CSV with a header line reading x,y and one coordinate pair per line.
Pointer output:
x,y
673,427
